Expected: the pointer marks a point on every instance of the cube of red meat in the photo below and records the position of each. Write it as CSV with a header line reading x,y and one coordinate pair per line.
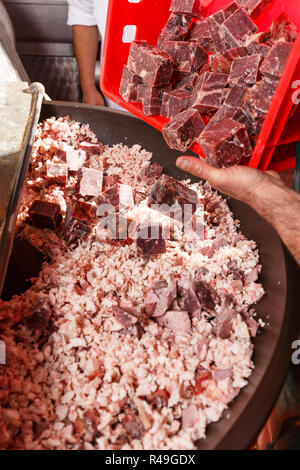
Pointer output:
x,y
155,67
57,173
151,172
237,28
244,71
44,214
235,96
201,33
91,148
76,231
274,64
129,84
116,196
257,101
237,114
180,133
188,7
151,97
79,210
209,91
150,241
174,102
188,56
214,21
225,143
282,29
175,29
186,81
222,62
169,191
109,181
254,7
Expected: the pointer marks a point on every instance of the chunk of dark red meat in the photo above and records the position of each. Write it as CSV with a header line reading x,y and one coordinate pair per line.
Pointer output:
x,y
159,399
222,62
153,66
237,114
39,428
44,214
188,56
174,102
57,173
225,143
169,191
61,154
255,45
115,196
75,158
245,70
40,315
79,210
221,374
206,295
150,241
91,148
208,94
188,300
177,321
129,85
254,7
151,172
257,101
274,63
235,97
188,7
109,181
184,80
200,32
133,426
181,132
175,29
215,21
282,29
124,316
151,97
159,299
75,232
237,28
223,326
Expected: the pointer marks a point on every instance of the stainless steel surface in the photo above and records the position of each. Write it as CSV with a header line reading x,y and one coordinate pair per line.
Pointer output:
x,y
40,20
11,67
13,168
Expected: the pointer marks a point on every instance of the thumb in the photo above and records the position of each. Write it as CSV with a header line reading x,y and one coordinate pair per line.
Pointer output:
x,y
198,167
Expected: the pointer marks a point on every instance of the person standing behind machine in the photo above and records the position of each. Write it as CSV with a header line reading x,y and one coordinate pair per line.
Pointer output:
x,y
88,19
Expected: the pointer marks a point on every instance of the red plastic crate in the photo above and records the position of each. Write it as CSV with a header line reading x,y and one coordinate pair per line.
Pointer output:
x,y
282,124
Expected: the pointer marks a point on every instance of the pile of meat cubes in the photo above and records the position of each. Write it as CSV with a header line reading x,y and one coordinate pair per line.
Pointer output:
x,y
214,78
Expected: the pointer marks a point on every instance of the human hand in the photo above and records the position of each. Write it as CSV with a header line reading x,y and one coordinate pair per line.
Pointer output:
x,y
240,182
92,96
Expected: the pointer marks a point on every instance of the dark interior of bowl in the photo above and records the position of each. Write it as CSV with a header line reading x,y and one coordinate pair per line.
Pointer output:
x,y
280,274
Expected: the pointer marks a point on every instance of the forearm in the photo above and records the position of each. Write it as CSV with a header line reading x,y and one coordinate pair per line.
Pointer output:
x,y
280,206
86,46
